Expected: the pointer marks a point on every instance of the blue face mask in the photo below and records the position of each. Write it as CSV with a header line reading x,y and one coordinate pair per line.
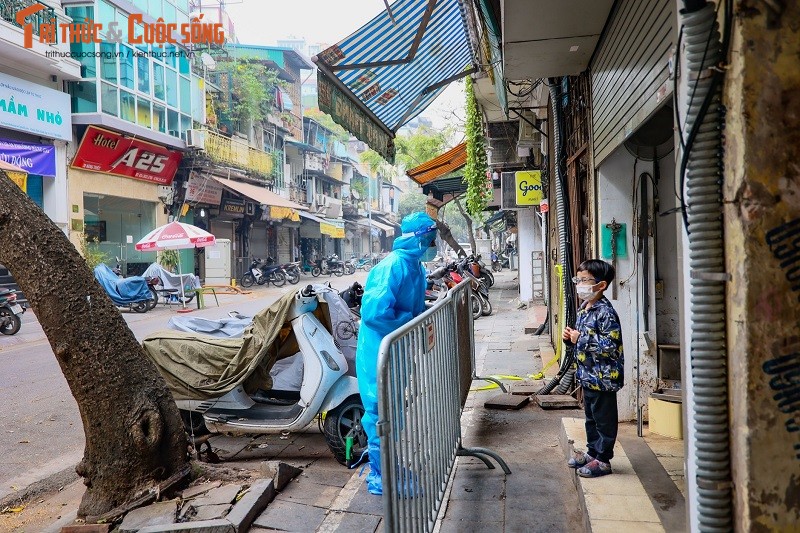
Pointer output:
x,y
429,255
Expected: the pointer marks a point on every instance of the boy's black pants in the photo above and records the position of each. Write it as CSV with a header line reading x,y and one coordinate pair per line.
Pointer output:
x,y
601,423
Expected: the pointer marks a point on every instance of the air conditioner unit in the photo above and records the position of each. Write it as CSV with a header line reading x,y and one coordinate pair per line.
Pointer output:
x,y
528,136
196,139
503,152
322,200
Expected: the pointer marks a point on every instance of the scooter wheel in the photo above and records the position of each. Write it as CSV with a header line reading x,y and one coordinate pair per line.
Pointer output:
x,y
293,277
141,307
338,272
153,301
14,322
367,267
278,279
486,306
342,422
477,308
247,280
315,272
487,278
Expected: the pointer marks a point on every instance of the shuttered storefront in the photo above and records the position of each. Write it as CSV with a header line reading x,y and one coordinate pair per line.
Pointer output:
x,y
630,70
284,244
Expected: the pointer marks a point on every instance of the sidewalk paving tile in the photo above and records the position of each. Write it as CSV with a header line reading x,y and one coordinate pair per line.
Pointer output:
x,y
288,516
617,526
474,511
359,523
307,492
620,507
459,526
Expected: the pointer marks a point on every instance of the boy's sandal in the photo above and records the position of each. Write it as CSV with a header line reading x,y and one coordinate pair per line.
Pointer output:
x,y
579,459
595,468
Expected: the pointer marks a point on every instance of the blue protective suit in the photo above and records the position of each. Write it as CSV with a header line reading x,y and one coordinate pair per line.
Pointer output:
x,y
394,293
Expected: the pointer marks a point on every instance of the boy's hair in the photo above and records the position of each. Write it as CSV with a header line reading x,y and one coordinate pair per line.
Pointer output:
x,y
601,270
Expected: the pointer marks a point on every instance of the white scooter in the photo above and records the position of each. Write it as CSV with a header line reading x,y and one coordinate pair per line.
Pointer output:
x,y
328,386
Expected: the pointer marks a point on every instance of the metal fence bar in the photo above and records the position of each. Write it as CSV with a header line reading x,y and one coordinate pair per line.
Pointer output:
x,y
425,369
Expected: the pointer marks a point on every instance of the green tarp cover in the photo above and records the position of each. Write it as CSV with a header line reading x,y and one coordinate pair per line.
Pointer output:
x,y
199,367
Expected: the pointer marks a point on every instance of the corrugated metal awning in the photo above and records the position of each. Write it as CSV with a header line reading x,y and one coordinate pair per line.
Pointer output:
x,y
392,68
259,194
442,165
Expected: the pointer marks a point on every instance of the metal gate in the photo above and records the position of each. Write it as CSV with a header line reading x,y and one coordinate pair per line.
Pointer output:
x,y
425,369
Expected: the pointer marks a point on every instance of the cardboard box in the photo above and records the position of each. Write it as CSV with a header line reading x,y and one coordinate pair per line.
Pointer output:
x,y
666,418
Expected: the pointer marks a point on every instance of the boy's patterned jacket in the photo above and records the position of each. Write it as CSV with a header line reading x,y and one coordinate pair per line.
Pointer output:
x,y
601,365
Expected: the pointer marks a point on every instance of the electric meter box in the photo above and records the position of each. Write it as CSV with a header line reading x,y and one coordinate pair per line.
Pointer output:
x,y
218,263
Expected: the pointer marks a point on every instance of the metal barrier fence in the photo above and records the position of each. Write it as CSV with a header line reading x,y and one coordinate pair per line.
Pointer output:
x,y
425,369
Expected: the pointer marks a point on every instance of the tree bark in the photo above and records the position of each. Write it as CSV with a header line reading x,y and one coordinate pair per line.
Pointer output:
x,y
134,434
470,231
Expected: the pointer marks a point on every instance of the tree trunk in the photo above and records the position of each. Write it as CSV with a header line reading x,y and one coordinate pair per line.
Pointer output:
x,y
134,434
447,236
470,231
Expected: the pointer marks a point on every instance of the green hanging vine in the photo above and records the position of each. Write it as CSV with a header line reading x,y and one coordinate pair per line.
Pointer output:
x,y
478,193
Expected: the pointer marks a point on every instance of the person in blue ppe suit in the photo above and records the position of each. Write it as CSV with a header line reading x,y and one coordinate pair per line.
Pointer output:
x,y
394,293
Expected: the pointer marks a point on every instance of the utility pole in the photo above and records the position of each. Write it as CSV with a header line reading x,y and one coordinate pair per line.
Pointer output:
x,y
369,213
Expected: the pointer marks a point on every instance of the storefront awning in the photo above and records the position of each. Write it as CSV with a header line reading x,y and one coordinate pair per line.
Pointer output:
x,y
392,68
380,225
439,166
303,146
332,227
260,194
307,216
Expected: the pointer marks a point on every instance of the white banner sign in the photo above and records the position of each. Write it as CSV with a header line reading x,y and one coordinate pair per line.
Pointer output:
x,y
33,108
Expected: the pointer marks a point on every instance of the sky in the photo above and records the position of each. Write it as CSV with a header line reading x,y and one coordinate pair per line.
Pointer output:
x,y
264,22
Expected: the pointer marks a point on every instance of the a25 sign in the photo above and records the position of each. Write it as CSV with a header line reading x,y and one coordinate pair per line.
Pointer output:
x,y
113,153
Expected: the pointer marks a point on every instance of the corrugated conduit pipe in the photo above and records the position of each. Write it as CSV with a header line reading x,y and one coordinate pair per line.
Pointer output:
x,y
566,372
702,164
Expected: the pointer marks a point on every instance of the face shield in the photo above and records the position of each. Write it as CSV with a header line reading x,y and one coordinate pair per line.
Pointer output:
x,y
427,243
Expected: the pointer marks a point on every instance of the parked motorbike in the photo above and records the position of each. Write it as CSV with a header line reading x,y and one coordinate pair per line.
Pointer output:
x,y
329,265
292,272
446,277
327,382
362,263
262,272
10,312
352,297
479,270
132,292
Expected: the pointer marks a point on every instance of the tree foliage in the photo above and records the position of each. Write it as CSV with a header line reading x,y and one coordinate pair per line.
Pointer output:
x,y
478,193
421,146
327,121
252,90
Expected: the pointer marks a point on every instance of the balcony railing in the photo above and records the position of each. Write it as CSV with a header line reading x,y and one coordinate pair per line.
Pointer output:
x,y
10,8
228,151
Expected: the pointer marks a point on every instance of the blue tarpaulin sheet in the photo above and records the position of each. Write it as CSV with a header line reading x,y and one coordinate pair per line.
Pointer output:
x,y
122,291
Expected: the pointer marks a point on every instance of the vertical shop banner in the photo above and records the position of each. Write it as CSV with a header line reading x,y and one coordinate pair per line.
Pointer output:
x,y
112,153
32,158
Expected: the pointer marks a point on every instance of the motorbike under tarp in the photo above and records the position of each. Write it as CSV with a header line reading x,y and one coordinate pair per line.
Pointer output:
x,y
122,291
200,367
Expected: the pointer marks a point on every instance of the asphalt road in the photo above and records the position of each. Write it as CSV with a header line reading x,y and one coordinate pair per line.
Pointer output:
x,y
41,432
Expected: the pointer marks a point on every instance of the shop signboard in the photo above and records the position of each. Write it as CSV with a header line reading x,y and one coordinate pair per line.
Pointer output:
x,y
521,189
33,108
232,206
112,153
332,228
203,189
347,114
32,158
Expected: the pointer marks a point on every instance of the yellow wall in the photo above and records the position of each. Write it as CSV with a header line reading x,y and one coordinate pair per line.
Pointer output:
x,y
80,181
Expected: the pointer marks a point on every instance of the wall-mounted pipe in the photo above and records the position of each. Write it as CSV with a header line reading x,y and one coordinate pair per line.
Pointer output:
x,y
701,168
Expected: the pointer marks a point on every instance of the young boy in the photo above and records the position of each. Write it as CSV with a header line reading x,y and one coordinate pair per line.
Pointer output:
x,y
598,349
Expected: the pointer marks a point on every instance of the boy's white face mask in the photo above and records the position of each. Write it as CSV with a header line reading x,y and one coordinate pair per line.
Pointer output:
x,y
585,292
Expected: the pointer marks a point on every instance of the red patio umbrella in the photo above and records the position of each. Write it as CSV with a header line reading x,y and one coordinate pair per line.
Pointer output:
x,y
176,236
